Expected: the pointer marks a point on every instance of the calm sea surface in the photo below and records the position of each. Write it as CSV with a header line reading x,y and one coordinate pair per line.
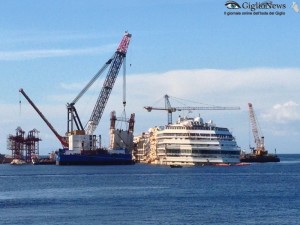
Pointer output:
x,y
146,194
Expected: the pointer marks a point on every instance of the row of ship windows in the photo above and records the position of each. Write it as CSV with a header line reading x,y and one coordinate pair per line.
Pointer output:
x,y
200,145
194,135
197,128
199,138
178,151
195,146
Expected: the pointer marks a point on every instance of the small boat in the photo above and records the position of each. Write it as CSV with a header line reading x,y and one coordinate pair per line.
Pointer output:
x,y
243,164
17,162
176,166
43,162
222,164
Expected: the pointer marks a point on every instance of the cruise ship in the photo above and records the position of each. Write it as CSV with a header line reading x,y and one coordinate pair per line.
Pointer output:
x,y
188,142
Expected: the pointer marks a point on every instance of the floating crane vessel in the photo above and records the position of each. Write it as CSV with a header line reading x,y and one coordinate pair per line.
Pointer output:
x,y
79,143
258,154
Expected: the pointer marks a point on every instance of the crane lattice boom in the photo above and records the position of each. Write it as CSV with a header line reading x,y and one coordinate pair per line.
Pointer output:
x,y
115,63
258,138
171,109
115,66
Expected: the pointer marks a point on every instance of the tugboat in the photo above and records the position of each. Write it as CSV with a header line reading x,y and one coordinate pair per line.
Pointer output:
x,y
37,160
258,154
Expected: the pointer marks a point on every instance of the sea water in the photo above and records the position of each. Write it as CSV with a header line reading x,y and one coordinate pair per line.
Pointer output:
x,y
147,194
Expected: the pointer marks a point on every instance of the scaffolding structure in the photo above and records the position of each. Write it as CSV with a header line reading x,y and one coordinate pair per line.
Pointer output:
x,y
24,147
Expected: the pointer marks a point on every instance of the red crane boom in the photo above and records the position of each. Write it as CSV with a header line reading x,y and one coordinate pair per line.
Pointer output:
x,y
60,138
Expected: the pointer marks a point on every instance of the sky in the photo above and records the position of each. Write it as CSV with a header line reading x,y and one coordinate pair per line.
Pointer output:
x,y
193,50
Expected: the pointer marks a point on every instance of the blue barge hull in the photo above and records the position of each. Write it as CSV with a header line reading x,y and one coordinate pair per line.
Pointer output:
x,y
94,158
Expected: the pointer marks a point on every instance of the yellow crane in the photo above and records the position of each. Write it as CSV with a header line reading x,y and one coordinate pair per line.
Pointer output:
x,y
259,153
257,134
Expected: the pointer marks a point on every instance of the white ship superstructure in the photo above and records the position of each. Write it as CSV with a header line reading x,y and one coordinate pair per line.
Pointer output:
x,y
189,141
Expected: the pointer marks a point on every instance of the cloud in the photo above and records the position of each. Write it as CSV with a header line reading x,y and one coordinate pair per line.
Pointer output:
x,y
47,53
265,88
261,86
283,113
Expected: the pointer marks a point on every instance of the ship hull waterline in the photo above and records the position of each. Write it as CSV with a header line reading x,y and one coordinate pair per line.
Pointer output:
x,y
97,159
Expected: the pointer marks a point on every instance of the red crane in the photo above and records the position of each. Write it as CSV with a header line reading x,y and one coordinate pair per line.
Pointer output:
x,y
115,63
62,140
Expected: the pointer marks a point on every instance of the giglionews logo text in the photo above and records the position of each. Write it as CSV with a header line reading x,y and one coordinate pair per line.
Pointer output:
x,y
254,6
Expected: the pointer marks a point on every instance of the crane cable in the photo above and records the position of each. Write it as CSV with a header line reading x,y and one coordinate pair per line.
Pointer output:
x,y
20,110
124,82
124,90
20,105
